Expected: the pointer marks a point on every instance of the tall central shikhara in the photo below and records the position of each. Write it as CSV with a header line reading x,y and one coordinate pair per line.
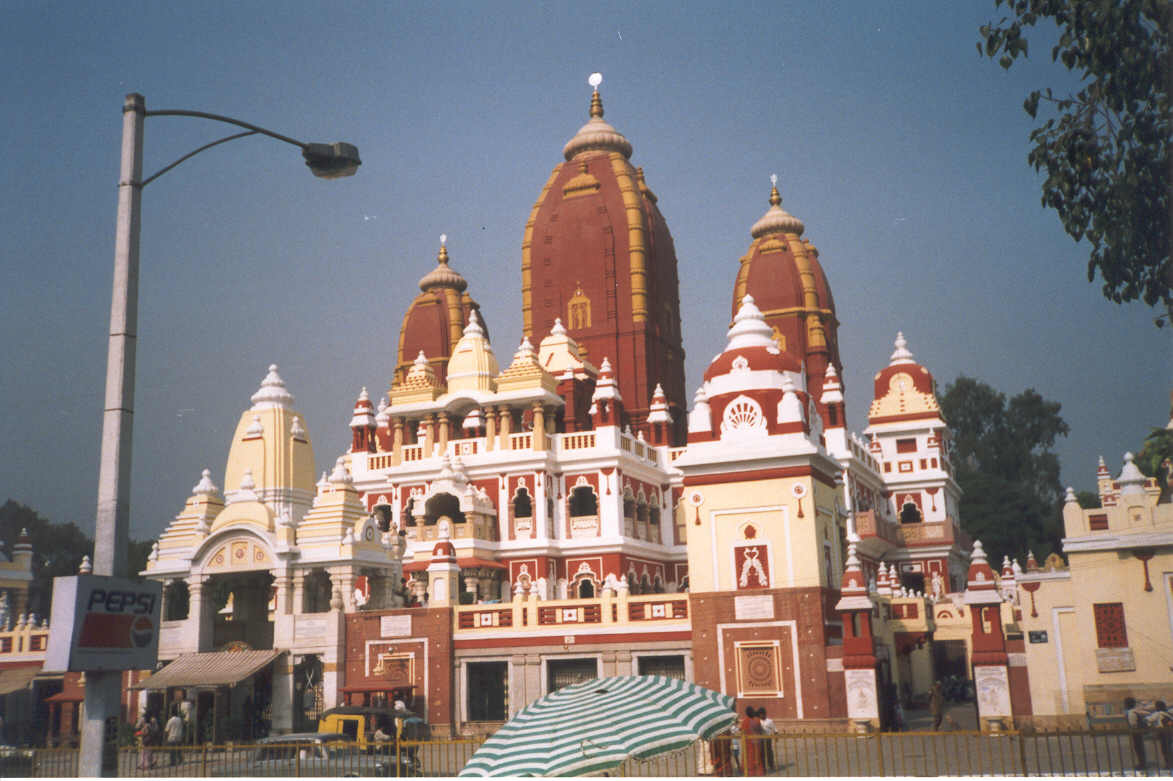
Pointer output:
x,y
598,255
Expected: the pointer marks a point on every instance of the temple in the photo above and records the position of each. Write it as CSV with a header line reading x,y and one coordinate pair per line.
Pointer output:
x,y
501,527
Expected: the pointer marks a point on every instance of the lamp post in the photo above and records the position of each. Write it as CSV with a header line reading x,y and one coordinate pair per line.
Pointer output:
x,y
329,161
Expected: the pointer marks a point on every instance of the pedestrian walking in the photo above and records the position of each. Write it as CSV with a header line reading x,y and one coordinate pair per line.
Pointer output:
x,y
1136,716
769,730
751,728
937,705
146,731
1162,721
174,733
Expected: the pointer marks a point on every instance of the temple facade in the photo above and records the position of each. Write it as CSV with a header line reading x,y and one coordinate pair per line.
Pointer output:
x,y
499,528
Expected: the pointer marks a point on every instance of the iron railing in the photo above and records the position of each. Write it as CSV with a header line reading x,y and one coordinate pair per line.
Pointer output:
x,y
960,753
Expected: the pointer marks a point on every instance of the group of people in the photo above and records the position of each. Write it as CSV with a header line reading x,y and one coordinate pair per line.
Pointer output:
x,y
757,757
150,734
1158,717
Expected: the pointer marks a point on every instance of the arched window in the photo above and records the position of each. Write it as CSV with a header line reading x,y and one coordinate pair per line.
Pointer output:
x,y
316,592
583,501
442,505
176,601
523,505
382,513
910,513
586,589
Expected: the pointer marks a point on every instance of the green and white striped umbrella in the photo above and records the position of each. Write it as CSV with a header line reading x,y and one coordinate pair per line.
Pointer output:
x,y
593,726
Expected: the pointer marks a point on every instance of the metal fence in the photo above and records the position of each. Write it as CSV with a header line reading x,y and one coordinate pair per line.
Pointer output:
x,y
1066,752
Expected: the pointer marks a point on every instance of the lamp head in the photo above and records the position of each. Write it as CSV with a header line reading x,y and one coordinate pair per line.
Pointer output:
x,y
332,161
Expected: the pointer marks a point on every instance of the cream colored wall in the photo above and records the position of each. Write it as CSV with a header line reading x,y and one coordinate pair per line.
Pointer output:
x,y
795,544
1065,612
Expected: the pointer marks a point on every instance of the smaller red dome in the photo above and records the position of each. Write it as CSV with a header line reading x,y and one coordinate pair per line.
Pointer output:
x,y
443,550
751,346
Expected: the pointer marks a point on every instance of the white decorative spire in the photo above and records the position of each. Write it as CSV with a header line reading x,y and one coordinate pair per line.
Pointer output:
x,y
205,487
255,429
272,392
558,329
296,429
789,407
341,475
246,481
86,566
1070,497
750,328
474,327
1131,480
901,354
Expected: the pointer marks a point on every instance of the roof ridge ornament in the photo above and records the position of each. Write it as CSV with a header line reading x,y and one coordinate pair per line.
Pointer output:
x,y
595,79
776,219
443,275
596,134
272,392
902,354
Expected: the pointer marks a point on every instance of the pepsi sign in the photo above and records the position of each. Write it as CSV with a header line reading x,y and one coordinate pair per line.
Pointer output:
x,y
103,623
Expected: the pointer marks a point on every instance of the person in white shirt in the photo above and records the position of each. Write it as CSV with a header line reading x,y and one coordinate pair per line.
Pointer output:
x,y
173,730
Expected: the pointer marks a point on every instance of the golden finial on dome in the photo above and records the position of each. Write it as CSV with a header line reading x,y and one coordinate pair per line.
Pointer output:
x,y
776,219
596,134
596,102
442,275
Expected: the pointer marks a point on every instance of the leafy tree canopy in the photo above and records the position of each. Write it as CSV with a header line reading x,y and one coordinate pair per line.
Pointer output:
x,y
1004,463
58,549
1156,458
1088,500
1105,150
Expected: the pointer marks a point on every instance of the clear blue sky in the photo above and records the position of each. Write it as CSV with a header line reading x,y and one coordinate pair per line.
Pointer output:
x,y
902,150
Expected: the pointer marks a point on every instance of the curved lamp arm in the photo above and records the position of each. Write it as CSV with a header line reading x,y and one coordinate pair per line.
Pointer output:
x,y
328,161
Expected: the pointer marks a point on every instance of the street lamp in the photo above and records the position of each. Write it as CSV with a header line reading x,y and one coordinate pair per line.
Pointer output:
x,y
328,161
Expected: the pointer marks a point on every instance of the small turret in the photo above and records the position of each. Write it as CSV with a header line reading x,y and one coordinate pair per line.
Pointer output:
x,y
659,418
363,425
606,403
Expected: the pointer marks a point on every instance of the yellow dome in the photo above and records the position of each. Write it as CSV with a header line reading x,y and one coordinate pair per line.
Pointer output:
x,y
271,448
473,365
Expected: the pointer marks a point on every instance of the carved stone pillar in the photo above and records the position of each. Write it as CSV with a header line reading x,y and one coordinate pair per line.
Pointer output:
x,y
429,435
397,441
343,579
506,427
444,427
539,432
298,599
490,428
199,614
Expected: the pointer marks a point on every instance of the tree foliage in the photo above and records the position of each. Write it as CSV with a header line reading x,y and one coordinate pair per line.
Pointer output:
x,y
1105,150
1155,458
58,549
1003,459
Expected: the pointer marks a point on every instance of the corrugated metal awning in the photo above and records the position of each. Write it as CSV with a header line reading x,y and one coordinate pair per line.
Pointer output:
x,y
215,668
14,679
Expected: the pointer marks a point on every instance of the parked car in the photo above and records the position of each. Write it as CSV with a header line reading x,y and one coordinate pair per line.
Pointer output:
x,y
307,754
